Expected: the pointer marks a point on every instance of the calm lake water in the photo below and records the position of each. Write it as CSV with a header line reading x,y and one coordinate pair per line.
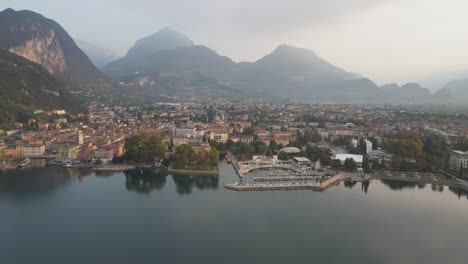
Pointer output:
x,y
55,215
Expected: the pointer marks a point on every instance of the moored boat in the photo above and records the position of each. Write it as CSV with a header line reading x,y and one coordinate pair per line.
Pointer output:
x,y
24,162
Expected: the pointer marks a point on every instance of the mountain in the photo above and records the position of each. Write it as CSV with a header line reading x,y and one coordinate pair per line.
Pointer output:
x,y
454,92
100,56
408,93
170,62
165,39
26,86
44,41
295,73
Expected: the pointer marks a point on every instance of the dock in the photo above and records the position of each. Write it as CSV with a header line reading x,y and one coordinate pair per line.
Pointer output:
x,y
304,185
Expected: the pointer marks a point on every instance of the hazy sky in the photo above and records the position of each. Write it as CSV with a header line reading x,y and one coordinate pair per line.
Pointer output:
x,y
385,40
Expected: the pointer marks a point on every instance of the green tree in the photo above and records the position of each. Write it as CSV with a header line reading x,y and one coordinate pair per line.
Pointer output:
x,y
350,164
214,157
273,146
336,164
408,145
283,156
144,148
185,154
261,148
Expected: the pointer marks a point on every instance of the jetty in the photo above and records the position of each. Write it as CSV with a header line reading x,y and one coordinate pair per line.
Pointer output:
x,y
313,184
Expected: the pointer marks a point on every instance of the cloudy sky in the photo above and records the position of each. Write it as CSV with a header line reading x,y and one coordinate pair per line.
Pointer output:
x,y
385,40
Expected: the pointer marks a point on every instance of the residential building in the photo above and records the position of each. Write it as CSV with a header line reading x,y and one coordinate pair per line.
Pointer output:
x,y
458,158
30,150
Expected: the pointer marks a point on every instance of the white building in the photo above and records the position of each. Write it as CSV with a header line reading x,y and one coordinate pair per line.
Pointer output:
x,y
458,157
30,150
357,158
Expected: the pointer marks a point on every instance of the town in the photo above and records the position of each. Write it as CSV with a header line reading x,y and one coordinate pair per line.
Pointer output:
x,y
393,141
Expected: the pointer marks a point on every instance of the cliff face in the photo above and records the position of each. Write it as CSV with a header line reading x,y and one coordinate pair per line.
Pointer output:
x,y
44,50
45,42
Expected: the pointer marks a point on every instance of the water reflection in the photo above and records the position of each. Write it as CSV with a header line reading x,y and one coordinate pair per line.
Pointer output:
x,y
400,185
459,192
30,182
144,182
148,181
185,184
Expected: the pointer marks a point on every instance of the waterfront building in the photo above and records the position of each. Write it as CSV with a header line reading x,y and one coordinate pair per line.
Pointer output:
x,y
357,158
458,158
9,152
30,150
68,152
104,154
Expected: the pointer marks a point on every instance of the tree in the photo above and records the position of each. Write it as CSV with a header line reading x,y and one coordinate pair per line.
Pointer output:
x,y
185,154
336,164
396,162
350,164
214,157
144,148
273,146
261,148
283,156
365,165
408,145
248,132
247,149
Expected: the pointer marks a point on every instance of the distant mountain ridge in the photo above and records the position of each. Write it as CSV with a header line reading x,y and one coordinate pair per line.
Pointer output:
x,y
288,71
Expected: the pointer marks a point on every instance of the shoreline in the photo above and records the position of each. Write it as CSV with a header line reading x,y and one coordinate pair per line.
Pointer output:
x,y
193,172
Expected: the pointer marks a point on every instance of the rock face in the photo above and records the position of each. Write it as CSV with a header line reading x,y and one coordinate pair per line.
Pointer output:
x,y
45,42
43,49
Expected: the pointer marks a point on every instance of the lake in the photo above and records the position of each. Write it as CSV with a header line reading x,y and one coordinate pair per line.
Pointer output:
x,y
57,215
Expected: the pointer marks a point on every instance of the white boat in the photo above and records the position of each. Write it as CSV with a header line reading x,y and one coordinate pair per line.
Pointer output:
x,y
24,162
67,165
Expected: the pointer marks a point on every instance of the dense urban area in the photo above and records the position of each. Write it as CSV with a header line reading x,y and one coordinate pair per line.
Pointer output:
x,y
390,140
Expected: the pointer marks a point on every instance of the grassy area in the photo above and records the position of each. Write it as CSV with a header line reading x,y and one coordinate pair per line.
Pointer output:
x,y
440,176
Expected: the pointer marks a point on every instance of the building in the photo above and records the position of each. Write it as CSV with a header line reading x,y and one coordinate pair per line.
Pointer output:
x,y
458,158
79,139
68,152
9,152
379,156
30,150
104,154
177,141
220,136
184,132
290,150
357,158
118,150
302,161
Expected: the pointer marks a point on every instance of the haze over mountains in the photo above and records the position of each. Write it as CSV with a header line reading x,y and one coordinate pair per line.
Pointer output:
x,y
168,64
287,72
98,55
